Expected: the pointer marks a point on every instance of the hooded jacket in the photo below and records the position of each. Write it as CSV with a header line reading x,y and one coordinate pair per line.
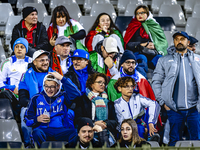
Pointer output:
x,y
55,107
166,73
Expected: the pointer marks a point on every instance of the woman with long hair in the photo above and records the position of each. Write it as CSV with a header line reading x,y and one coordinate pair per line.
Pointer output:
x,y
62,24
103,27
129,134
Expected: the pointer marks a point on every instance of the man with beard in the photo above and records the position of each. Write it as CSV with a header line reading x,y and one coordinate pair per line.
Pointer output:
x,y
175,84
86,131
80,70
32,83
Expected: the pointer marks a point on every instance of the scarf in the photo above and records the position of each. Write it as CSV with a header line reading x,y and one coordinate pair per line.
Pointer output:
x,y
56,63
99,30
135,76
100,102
152,29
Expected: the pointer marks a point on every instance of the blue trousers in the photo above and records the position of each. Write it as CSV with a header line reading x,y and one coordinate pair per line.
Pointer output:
x,y
55,134
177,121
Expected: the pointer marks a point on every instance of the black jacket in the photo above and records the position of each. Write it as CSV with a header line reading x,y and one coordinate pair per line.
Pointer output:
x,y
40,37
84,109
74,77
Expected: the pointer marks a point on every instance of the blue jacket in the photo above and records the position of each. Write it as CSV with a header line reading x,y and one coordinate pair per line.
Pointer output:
x,y
56,107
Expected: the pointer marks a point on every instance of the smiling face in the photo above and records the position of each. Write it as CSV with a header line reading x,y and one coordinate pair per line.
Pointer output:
x,y
86,134
51,88
32,18
41,63
126,132
141,15
104,20
20,51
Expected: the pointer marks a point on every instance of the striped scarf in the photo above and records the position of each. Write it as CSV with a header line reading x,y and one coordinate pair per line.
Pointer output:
x,y
99,30
100,102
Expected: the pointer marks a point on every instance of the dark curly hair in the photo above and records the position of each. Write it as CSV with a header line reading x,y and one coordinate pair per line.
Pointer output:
x,y
123,82
92,78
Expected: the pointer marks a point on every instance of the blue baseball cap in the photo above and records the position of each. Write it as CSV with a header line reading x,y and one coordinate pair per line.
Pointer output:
x,y
21,41
81,53
192,40
181,33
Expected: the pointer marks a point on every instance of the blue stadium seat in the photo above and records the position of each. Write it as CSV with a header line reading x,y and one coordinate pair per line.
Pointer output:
x,y
11,144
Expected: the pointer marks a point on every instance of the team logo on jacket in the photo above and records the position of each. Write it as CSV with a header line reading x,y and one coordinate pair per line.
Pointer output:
x,y
41,103
196,59
14,70
59,100
123,111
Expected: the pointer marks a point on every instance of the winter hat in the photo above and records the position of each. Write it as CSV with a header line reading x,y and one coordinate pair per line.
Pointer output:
x,y
84,121
27,10
192,40
127,55
81,53
21,41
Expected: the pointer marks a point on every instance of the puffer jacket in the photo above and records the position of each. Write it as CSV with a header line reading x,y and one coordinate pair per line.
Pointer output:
x,y
165,75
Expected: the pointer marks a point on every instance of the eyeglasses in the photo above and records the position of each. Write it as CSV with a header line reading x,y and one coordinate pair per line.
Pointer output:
x,y
141,13
128,87
100,82
43,60
50,87
130,62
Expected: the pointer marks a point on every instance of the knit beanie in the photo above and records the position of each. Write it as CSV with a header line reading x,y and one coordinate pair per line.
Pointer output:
x,y
21,41
84,121
27,10
127,55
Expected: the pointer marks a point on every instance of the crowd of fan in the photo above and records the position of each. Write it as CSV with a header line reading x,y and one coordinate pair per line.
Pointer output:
x,y
98,92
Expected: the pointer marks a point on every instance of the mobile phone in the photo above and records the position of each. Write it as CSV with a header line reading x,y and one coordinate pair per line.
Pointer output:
x,y
55,35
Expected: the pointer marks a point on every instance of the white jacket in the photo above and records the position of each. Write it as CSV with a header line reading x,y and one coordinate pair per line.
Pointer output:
x,y
136,108
12,70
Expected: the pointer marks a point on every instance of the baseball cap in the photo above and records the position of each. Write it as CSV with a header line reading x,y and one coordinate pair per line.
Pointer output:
x,y
192,40
110,45
81,53
38,53
62,40
181,33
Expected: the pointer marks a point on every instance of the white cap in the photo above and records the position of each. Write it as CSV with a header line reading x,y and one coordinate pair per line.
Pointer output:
x,y
38,53
110,45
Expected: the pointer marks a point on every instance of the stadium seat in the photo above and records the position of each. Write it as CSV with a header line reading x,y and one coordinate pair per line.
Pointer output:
x,y
198,44
174,11
6,109
53,144
155,5
169,38
11,144
87,22
54,3
196,11
106,7
42,12
73,9
12,21
189,6
9,131
121,6
20,4
12,2
154,143
192,26
2,53
46,21
130,9
6,11
122,22
88,4
187,143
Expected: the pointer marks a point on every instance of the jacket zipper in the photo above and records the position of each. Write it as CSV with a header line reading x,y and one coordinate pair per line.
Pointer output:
x,y
49,113
185,82
176,77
